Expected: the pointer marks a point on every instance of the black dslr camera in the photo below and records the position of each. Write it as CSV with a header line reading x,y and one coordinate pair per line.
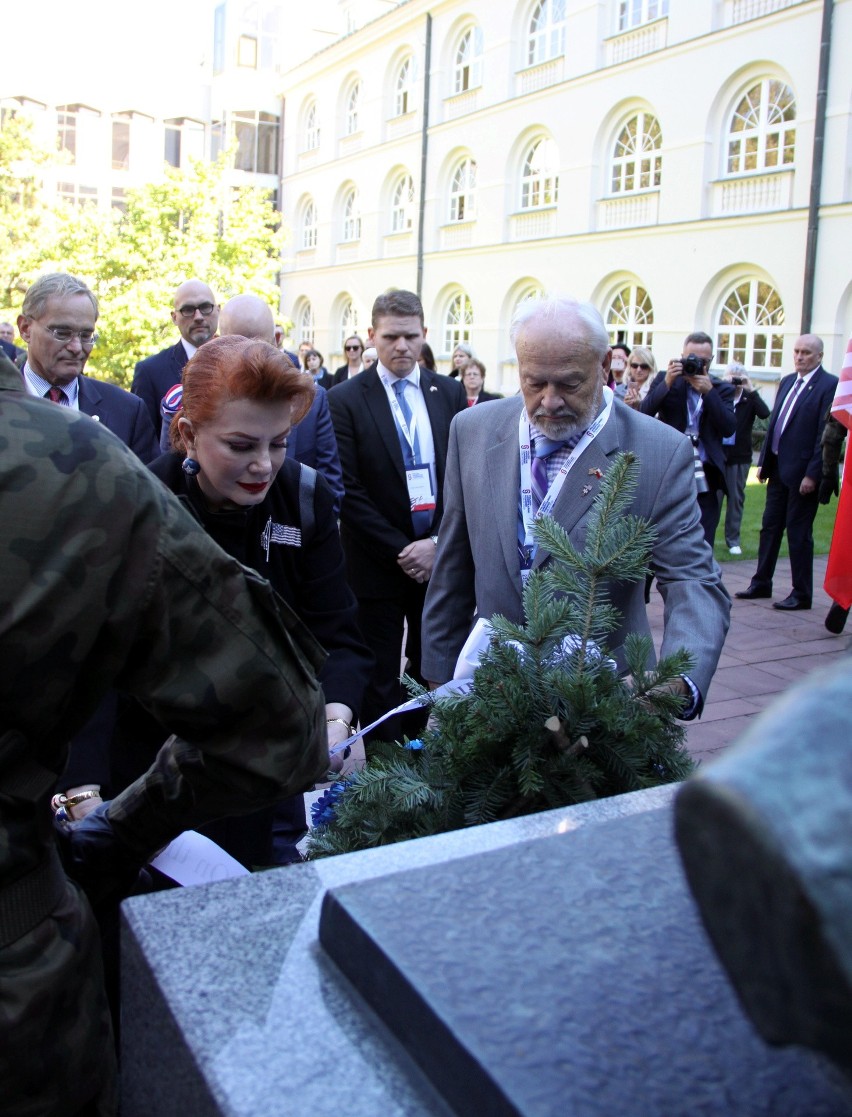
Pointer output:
x,y
692,365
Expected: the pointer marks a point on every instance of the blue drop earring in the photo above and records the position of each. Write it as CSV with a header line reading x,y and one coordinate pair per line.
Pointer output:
x,y
190,467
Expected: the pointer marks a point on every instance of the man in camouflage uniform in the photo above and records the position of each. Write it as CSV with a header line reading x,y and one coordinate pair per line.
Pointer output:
x,y
106,582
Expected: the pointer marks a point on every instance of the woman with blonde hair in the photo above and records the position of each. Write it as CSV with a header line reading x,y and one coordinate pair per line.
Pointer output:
x,y
641,370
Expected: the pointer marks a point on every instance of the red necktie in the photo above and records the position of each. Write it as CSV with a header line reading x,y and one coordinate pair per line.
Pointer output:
x,y
57,395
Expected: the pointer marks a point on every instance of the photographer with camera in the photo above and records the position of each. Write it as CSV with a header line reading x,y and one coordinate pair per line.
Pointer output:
x,y
748,406
685,396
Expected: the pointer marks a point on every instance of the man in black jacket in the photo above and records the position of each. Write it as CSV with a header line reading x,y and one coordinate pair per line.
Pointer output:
x,y
688,398
748,406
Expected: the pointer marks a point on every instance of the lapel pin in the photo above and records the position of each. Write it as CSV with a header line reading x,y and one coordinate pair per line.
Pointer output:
x,y
433,388
95,418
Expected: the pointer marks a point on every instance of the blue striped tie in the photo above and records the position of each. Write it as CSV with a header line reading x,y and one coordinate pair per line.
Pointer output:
x,y
421,521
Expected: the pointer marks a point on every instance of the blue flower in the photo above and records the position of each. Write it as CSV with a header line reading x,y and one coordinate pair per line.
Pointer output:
x,y
415,744
322,810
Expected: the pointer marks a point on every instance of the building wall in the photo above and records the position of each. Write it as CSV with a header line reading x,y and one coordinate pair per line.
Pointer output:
x,y
687,242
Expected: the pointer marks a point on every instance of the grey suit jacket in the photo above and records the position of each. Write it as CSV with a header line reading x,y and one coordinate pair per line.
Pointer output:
x,y
477,566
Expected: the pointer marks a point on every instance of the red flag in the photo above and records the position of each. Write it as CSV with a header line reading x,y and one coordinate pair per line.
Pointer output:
x,y
838,572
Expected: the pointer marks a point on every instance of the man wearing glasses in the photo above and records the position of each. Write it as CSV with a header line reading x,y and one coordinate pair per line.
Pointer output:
x,y
196,315
57,321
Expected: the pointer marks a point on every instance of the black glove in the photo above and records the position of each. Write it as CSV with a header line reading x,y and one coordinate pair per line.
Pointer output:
x,y
97,859
829,484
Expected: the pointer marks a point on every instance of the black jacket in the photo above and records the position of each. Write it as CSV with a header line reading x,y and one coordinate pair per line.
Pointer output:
x,y
747,408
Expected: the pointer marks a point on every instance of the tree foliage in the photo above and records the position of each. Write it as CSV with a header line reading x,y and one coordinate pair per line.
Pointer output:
x,y
548,721
192,224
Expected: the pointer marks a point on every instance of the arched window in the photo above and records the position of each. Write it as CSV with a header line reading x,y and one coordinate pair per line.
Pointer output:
x,y
458,322
463,191
348,321
305,320
402,205
312,130
633,13
309,225
467,69
751,325
762,132
351,216
630,316
404,95
539,179
546,37
636,158
353,102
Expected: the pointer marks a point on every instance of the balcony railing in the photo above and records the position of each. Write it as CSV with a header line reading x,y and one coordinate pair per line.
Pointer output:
x,y
532,224
541,76
636,42
759,193
629,210
741,11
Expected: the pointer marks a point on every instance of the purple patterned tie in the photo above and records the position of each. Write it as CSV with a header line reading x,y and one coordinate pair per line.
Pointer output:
x,y
781,421
57,395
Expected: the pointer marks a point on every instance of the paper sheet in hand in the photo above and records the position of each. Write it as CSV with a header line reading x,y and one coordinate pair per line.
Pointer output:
x,y
193,859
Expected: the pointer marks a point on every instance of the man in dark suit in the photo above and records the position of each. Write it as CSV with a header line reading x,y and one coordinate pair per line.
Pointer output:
x,y
57,321
392,423
196,315
791,465
688,398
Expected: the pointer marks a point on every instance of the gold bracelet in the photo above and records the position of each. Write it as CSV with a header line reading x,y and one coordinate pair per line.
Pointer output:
x,y
350,732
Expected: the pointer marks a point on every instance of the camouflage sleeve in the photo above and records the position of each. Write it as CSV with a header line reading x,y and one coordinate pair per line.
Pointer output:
x,y
833,435
227,666
107,582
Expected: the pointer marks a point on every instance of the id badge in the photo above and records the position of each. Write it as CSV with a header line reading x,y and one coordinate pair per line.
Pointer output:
x,y
420,488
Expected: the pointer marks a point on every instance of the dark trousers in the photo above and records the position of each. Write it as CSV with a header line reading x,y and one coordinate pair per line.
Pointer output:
x,y
787,510
382,621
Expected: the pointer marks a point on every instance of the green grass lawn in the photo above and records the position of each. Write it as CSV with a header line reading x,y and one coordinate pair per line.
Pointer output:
x,y
753,514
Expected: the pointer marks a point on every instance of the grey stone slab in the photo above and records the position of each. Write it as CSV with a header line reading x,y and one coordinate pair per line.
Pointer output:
x,y
566,975
229,1006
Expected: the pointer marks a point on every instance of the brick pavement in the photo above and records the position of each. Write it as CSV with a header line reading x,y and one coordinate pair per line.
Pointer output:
x,y
765,652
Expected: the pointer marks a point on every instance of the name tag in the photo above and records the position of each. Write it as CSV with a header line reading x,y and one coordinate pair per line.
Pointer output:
x,y
421,491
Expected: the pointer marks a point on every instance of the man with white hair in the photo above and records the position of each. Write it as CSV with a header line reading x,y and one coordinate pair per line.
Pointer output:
x,y
551,449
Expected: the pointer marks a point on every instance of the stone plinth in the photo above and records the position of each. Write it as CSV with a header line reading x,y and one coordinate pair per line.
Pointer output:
x,y
553,964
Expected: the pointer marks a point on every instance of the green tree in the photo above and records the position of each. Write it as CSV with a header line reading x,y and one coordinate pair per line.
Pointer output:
x,y
192,224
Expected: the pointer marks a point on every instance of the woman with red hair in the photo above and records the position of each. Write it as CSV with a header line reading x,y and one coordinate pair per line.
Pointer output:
x,y
229,468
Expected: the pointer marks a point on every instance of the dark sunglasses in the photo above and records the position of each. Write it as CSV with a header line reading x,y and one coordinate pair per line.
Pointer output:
x,y
633,364
352,348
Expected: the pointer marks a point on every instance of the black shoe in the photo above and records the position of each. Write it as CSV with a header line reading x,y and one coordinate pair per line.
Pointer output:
x,y
753,592
836,619
790,603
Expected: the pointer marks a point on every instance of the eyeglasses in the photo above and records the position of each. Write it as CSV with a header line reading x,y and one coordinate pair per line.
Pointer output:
x,y
636,364
352,348
88,338
189,311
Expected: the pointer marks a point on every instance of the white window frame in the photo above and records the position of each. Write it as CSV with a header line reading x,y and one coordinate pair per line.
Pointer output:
x,y
404,89
635,13
351,216
630,316
458,321
307,325
750,325
463,191
759,136
467,65
353,101
539,176
546,32
312,128
309,224
637,160
402,204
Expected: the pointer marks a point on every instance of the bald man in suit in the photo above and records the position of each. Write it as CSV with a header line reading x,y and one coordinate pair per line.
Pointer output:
x,y
563,361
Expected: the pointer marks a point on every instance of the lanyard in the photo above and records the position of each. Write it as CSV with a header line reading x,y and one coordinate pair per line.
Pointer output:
x,y
525,444
408,433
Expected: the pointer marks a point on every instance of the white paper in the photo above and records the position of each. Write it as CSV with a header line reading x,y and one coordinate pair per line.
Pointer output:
x,y
193,859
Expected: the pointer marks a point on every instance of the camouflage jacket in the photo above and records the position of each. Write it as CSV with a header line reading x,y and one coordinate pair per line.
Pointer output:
x,y
833,434
105,581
